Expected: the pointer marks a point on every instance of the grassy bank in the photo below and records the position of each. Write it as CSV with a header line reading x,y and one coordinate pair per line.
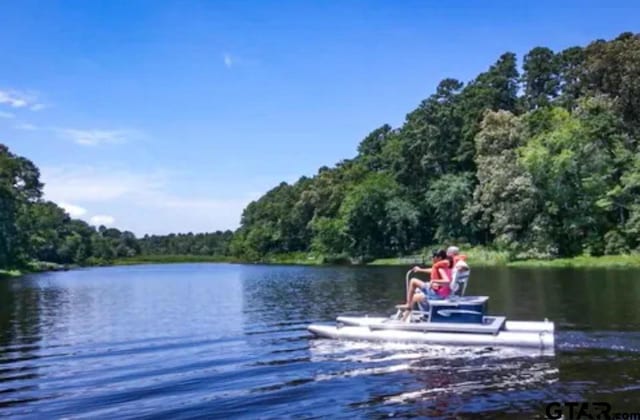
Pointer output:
x,y
32,267
479,257
171,259
294,258
607,261
476,256
4,274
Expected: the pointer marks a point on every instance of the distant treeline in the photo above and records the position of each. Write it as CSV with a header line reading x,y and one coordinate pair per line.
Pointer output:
x,y
204,244
538,161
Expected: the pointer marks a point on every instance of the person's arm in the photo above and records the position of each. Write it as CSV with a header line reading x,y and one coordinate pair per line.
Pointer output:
x,y
444,277
417,269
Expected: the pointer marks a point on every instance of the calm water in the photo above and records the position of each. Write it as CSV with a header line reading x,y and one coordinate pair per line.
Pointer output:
x,y
208,340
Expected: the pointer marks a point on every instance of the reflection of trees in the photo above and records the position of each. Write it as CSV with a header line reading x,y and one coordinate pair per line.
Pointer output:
x,y
28,311
19,313
20,334
287,293
598,298
602,298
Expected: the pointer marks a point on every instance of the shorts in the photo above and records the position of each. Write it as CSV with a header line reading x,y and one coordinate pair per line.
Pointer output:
x,y
431,294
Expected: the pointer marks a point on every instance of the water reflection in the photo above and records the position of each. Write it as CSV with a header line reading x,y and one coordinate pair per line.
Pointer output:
x,y
299,293
20,343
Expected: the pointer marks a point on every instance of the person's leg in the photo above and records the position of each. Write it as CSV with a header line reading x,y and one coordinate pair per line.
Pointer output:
x,y
427,294
419,297
413,285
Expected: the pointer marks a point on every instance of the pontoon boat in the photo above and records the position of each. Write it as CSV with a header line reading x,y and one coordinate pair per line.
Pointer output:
x,y
460,319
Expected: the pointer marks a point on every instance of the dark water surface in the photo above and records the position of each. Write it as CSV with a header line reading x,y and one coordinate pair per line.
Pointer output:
x,y
216,340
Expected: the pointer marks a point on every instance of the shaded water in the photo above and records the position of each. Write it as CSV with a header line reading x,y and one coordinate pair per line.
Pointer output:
x,y
216,340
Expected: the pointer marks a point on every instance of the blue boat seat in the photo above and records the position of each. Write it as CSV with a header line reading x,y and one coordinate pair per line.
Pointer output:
x,y
468,309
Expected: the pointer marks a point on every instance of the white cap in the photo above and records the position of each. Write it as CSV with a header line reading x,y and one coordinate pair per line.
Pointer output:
x,y
453,250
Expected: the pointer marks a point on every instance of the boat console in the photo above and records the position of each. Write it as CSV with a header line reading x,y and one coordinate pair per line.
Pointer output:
x,y
459,314
466,310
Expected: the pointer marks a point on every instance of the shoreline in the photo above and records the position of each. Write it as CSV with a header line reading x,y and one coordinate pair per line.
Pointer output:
x,y
34,267
608,261
476,258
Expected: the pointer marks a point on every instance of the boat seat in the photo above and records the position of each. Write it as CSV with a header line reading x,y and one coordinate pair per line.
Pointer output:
x,y
465,309
459,282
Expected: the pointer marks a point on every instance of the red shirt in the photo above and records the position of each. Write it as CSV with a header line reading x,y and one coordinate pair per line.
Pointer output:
x,y
435,273
442,289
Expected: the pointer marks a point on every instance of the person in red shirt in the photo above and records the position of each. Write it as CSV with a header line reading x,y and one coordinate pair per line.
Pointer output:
x,y
437,287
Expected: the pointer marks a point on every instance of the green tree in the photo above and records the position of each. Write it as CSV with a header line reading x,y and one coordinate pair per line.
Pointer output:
x,y
447,198
504,200
329,236
570,63
612,68
44,226
370,150
541,77
19,186
574,166
496,89
377,221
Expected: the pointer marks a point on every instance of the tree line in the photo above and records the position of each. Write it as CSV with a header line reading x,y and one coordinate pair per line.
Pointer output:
x,y
32,229
35,230
540,161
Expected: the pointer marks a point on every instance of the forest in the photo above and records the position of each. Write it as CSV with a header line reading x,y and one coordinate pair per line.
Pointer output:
x,y
539,161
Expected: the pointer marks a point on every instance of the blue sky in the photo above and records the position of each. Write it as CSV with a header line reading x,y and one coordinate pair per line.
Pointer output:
x,y
166,116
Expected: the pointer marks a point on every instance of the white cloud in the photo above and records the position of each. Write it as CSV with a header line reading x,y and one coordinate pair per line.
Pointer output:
x,y
26,127
169,213
228,61
97,137
17,99
7,115
89,184
142,202
13,99
102,219
72,210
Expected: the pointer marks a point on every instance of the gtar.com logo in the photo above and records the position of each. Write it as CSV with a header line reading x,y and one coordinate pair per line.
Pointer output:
x,y
574,410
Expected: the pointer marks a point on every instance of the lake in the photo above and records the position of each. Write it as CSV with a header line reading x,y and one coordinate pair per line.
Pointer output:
x,y
229,341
